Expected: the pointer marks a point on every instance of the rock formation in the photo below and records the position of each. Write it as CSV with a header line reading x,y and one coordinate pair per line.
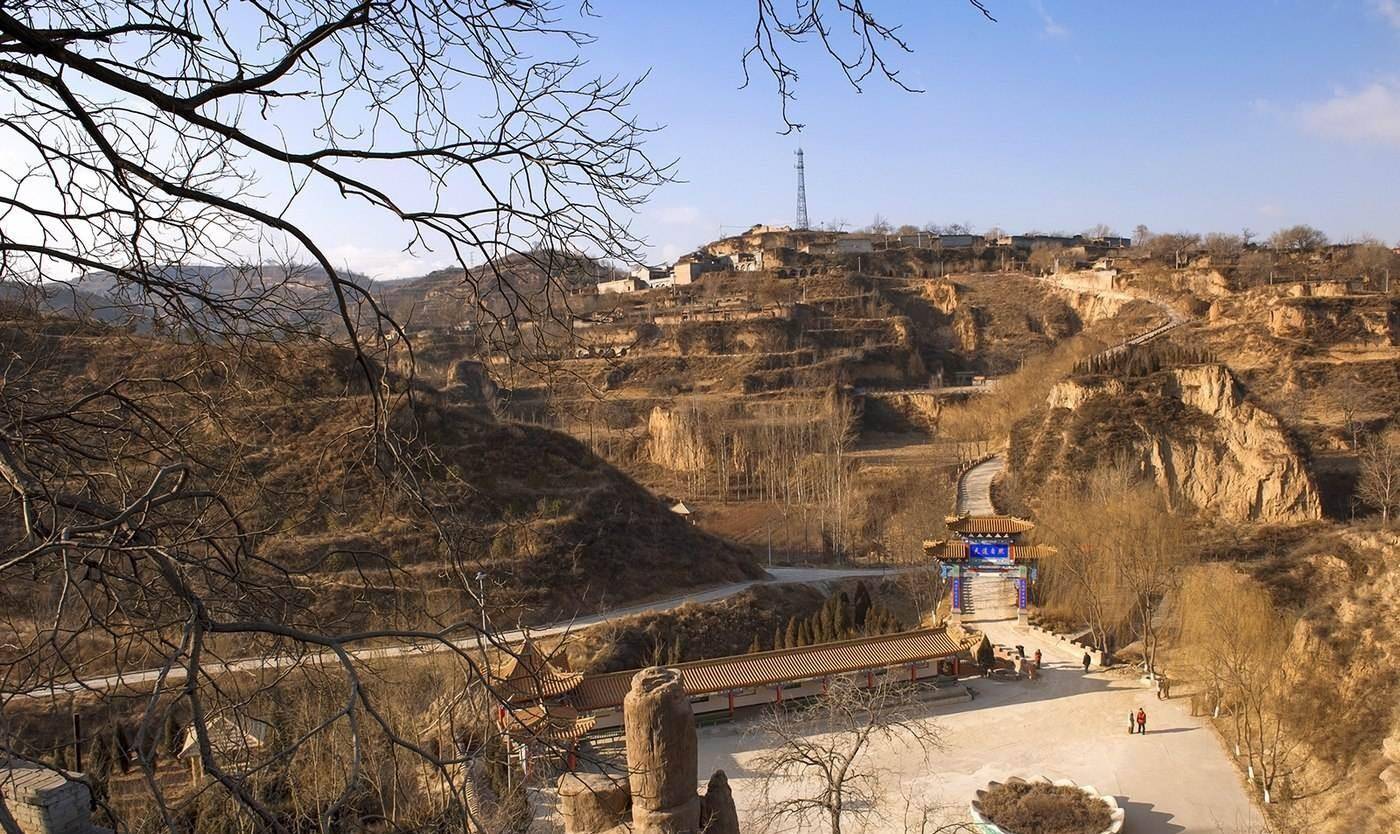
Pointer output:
x,y
942,295
967,326
661,748
719,816
661,772
591,802
1205,442
1246,469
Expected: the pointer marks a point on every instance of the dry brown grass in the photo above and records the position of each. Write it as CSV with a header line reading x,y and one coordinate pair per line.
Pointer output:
x,y
1040,808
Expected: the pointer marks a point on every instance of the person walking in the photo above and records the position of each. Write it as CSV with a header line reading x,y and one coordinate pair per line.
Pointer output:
x,y
1132,722
1141,722
1087,661
1037,658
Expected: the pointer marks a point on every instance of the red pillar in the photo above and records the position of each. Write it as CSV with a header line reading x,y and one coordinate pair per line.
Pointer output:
x,y
731,703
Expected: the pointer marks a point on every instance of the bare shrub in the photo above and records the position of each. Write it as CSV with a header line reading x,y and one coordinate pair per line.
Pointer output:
x,y
1041,808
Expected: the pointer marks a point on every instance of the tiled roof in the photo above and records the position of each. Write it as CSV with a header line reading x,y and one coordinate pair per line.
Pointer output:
x,y
988,524
953,550
546,722
721,674
230,735
530,675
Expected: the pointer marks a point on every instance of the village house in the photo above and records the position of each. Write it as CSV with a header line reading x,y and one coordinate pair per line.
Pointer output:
x,y
622,285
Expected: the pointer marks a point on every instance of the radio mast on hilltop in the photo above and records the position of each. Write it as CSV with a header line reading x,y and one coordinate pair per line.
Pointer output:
x,y
801,193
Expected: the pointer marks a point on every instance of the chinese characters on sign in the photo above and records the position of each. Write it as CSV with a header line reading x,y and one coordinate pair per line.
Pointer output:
x,y
996,551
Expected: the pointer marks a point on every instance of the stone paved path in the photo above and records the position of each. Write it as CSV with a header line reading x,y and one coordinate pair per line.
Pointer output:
x,y
975,487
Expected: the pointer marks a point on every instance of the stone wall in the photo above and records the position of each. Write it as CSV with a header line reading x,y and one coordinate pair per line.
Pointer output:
x,y
43,801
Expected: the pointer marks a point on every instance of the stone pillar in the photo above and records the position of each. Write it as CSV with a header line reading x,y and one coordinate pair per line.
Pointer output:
x,y
955,595
661,750
1022,600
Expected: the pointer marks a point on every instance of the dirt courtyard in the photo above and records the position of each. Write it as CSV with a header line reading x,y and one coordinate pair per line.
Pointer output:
x,y
1176,779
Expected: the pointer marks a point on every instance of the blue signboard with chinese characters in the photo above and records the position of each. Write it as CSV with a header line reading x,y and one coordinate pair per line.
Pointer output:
x,y
990,551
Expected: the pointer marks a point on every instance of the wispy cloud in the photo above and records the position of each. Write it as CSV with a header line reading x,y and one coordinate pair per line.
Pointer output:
x,y
1389,10
1052,28
1370,114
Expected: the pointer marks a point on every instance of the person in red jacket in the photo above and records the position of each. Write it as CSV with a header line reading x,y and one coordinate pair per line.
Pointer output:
x,y
1142,722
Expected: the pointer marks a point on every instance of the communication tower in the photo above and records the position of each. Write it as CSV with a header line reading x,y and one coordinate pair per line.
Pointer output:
x,y
801,193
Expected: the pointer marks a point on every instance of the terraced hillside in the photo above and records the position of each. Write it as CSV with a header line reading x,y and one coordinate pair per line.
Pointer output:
x,y
333,533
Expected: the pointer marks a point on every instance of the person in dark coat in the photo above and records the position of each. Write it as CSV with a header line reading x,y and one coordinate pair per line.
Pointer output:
x,y
1141,721
1132,722
1087,661
1037,658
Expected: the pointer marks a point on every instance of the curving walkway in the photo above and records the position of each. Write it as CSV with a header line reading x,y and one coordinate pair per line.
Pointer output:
x,y
975,487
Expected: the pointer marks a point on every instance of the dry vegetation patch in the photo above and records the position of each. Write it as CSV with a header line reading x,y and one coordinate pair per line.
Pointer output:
x,y
1040,808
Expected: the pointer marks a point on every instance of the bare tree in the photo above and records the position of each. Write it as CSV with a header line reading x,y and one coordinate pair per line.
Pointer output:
x,y
859,46
1121,552
1175,247
1223,246
1236,637
1373,260
146,528
1299,238
817,773
1379,481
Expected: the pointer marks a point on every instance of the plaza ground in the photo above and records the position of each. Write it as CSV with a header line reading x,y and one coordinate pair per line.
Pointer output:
x,y
1176,779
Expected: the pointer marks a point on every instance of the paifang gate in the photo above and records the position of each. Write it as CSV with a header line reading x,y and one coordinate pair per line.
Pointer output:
x,y
987,544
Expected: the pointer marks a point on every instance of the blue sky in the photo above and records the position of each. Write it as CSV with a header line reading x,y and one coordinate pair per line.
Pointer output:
x,y
1184,115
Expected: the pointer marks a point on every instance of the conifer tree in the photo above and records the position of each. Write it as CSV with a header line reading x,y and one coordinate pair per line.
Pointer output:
x,y
777,637
826,624
808,637
840,616
790,638
756,646
860,606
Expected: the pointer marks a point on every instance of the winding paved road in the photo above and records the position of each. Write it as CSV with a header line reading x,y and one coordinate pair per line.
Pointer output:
x,y
975,487
136,681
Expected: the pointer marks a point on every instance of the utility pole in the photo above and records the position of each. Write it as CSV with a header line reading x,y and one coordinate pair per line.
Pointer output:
x,y
481,597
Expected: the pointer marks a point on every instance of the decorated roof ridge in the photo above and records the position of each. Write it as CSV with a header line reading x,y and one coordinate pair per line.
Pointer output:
x,y
994,524
530,673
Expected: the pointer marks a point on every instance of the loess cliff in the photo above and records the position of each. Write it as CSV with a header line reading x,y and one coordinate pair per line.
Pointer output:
x,y
1206,444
